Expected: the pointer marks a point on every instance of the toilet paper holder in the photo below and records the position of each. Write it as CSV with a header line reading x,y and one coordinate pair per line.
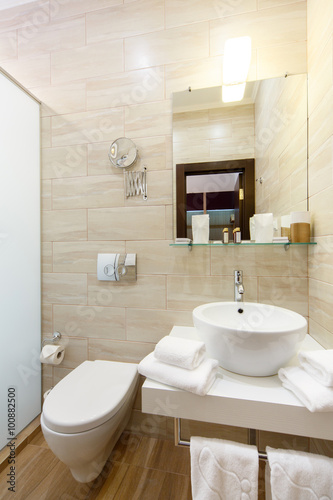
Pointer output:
x,y
55,338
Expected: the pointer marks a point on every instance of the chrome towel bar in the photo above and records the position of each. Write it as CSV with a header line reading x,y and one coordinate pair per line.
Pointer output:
x,y
252,438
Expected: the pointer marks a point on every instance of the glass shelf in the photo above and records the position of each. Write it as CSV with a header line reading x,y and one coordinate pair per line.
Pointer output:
x,y
247,244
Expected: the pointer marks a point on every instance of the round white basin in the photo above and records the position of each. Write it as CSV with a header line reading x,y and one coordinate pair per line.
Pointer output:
x,y
249,338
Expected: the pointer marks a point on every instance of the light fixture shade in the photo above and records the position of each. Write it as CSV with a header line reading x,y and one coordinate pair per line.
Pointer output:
x,y
231,93
236,60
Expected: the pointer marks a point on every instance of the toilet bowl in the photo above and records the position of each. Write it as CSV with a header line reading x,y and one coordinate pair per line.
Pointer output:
x,y
85,413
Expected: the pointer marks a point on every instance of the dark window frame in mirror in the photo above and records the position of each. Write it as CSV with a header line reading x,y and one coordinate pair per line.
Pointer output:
x,y
246,206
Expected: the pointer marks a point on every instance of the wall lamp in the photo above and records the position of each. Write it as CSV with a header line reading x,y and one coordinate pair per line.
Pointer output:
x,y
236,63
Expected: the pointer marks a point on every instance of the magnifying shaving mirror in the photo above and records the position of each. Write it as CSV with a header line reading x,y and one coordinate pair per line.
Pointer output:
x,y
123,153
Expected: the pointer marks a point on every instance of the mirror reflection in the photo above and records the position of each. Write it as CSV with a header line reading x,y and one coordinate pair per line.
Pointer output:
x,y
269,126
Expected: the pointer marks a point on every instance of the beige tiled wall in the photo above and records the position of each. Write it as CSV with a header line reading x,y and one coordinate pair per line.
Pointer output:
x,y
213,134
281,145
107,68
320,68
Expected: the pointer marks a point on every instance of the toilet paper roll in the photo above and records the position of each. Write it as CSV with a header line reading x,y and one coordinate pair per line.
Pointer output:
x,y
52,354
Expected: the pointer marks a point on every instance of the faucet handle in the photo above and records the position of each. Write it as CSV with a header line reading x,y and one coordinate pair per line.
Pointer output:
x,y
239,277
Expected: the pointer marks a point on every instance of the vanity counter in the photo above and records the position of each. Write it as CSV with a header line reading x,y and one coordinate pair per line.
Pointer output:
x,y
251,402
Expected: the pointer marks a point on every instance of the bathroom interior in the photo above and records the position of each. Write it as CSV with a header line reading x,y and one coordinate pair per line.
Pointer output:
x,y
98,70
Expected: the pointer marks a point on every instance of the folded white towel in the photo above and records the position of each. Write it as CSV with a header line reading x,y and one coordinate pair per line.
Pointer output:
x,y
198,381
315,396
300,475
178,351
318,364
223,469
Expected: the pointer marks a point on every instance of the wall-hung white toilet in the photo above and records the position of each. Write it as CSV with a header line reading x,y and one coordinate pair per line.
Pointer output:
x,y
85,413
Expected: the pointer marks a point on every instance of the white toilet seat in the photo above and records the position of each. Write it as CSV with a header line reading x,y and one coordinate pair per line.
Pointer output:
x,y
89,396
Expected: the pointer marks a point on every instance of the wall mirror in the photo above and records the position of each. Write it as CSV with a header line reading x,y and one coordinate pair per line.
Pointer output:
x,y
266,131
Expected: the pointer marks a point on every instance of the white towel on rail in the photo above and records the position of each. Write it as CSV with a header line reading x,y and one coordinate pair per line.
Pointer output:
x,y
223,470
198,381
315,396
296,475
186,353
318,364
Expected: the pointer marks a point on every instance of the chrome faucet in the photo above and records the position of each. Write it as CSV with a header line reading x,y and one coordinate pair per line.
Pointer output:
x,y
239,288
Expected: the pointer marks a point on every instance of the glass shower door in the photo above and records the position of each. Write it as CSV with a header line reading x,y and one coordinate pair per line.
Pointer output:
x,y
20,302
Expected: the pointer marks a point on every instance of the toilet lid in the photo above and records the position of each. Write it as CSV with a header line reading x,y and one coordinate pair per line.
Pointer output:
x,y
89,396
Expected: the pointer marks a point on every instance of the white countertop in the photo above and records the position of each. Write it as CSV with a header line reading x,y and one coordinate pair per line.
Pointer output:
x,y
251,402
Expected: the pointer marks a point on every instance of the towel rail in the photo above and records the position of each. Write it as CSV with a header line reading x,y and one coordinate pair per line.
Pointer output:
x,y
252,438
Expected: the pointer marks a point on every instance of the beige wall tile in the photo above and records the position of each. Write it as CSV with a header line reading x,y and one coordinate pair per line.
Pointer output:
x,y
66,161
272,61
125,20
260,261
320,303
46,195
169,226
113,350
321,334
146,120
88,192
64,288
320,23
64,225
147,325
183,12
47,378
64,34
132,87
148,223
61,99
45,125
81,256
8,45
47,266
321,259
163,47
29,14
321,208
90,321
59,373
157,257
47,327
200,73
147,292
320,167
278,25
188,292
76,351
31,71
320,74
288,292
98,160
153,152
87,127
63,8
87,61
320,124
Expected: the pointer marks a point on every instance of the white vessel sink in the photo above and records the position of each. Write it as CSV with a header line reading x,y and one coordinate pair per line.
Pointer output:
x,y
249,338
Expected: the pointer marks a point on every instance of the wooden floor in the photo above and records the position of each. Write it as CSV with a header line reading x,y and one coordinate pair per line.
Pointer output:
x,y
139,468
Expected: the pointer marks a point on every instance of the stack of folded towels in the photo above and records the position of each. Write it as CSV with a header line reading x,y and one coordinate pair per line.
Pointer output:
x,y
182,363
312,382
